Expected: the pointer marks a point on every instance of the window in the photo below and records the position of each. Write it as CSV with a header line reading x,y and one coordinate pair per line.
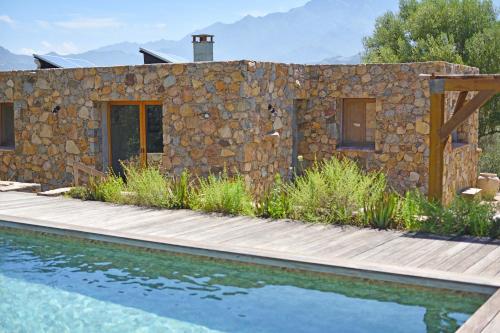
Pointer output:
x,y
7,125
358,122
154,129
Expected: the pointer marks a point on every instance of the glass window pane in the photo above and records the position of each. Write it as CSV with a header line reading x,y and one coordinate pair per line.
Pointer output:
x,y
7,125
154,129
125,139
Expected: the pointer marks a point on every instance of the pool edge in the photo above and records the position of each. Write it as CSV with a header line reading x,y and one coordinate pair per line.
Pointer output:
x,y
433,279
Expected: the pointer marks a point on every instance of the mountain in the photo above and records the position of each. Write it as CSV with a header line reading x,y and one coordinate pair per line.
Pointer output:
x,y
321,31
10,61
354,59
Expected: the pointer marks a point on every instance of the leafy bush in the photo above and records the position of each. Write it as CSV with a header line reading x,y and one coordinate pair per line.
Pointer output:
x,y
380,214
333,191
80,192
490,157
472,217
108,189
409,210
275,203
180,189
462,216
223,194
147,187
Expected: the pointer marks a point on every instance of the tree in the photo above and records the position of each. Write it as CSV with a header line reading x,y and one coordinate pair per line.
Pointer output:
x,y
458,31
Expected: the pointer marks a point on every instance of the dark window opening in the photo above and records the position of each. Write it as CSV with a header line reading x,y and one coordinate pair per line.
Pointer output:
x,y
154,129
7,125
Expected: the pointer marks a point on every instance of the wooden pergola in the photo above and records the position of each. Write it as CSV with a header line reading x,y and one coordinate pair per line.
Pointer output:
x,y
487,85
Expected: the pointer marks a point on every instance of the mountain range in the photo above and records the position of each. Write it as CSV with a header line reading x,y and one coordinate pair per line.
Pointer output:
x,y
321,31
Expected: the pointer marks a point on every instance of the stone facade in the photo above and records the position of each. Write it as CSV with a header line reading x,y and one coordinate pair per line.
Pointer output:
x,y
254,118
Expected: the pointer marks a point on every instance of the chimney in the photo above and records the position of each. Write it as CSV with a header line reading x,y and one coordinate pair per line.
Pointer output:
x,y
203,47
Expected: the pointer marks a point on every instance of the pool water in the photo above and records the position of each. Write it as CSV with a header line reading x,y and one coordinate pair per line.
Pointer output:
x,y
56,284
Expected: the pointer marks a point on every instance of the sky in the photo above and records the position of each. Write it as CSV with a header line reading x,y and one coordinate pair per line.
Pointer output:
x,y
67,26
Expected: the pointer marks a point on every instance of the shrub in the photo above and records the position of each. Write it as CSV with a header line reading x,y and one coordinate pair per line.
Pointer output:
x,y
333,190
462,216
490,157
80,192
380,214
108,189
147,186
410,210
275,203
223,194
472,217
180,189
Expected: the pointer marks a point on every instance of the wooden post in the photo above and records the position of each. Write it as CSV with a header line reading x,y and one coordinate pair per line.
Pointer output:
x,y
436,158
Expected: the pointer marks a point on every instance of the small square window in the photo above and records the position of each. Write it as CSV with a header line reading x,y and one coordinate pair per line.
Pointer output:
x,y
6,125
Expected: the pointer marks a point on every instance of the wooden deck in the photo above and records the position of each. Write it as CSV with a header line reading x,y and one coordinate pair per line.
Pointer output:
x,y
465,263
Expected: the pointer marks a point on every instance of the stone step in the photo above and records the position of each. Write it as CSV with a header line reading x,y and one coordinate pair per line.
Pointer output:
x,y
8,186
56,192
471,193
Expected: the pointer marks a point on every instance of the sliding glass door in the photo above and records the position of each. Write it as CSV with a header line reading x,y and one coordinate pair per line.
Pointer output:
x,y
135,129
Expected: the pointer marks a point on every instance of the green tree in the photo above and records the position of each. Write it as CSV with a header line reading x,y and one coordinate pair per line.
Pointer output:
x,y
459,31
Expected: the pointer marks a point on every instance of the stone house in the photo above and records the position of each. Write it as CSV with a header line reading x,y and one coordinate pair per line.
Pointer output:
x,y
253,117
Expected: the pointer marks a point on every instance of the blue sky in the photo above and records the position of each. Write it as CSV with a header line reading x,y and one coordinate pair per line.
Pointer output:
x,y
28,26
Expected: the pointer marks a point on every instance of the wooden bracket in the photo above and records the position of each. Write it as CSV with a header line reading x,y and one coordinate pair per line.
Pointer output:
x,y
464,111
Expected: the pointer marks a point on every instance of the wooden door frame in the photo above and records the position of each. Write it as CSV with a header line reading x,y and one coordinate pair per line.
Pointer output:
x,y
142,127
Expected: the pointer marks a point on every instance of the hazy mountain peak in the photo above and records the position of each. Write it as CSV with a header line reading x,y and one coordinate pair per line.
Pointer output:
x,y
319,31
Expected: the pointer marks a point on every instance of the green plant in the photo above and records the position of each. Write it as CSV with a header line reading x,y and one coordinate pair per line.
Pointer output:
x,y
80,192
334,191
462,216
489,160
222,194
380,214
275,203
147,186
107,189
472,217
180,189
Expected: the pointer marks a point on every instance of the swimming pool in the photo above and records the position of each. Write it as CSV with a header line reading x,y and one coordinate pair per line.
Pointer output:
x,y
55,284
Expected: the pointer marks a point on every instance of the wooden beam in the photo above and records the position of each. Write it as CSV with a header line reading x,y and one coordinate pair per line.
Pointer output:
x,y
464,112
472,84
460,101
436,158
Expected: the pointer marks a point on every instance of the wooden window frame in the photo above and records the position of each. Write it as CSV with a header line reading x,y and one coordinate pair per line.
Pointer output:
x,y
142,126
10,147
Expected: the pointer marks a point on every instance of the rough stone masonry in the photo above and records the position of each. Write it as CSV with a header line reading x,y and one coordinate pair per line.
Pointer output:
x,y
255,118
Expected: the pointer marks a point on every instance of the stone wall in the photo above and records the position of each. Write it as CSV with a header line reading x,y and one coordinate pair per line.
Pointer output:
x,y
401,117
242,116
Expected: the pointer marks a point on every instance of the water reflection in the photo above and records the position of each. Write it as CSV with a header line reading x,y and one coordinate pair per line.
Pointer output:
x,y
226,296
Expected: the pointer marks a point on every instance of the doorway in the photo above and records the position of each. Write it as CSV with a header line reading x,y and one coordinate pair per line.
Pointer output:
x,y
134,129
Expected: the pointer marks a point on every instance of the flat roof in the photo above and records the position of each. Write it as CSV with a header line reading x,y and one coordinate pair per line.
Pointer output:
x,y
167,57
62,62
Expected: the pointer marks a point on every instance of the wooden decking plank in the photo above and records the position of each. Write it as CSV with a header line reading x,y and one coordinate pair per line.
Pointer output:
x,y
470,260
360,247
233,231
493,325
455,248
198,232
162,225
482,264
